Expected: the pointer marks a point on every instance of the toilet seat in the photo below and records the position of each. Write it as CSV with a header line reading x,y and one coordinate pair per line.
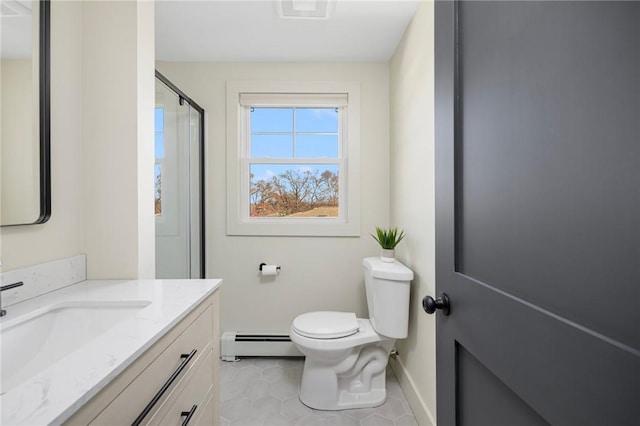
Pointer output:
x,y
365,334
326,324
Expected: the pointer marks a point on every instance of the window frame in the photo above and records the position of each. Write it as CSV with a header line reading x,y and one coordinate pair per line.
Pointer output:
x,y
238,181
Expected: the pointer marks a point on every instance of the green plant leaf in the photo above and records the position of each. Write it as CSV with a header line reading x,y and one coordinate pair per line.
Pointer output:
x,y
388,238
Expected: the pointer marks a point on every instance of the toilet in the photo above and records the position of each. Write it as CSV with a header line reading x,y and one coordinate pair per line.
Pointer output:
x,y
346,357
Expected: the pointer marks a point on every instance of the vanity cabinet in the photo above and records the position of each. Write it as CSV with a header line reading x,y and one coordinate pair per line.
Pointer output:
x,y
175,382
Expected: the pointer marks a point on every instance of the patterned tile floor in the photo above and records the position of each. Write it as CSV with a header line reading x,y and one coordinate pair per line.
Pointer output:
x,y
264,392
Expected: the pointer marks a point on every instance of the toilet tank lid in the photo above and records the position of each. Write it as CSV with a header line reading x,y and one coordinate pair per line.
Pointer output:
x,y
394,271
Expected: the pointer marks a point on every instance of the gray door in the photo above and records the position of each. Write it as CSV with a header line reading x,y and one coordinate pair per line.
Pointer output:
x,y
538,212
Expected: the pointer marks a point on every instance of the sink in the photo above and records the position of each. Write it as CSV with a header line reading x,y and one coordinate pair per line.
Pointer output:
x,y
34,341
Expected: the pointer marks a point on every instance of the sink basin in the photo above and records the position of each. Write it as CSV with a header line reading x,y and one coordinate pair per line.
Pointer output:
x,y
34,341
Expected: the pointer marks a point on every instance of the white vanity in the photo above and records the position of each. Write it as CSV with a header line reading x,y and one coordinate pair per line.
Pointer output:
x,y
112,352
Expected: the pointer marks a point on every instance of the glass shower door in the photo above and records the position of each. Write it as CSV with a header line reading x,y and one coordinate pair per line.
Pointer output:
x,y
178,183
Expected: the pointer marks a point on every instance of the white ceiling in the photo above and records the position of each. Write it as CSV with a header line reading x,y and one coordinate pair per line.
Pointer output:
x,y
251,30
15,29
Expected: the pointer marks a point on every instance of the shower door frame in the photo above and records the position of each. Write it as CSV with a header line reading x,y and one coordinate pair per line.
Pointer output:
x,y
201,174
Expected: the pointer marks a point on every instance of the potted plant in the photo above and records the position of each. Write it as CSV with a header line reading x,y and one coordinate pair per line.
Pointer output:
x,y
388,240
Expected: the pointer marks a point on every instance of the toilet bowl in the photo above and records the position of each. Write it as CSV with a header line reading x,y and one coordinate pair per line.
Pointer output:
x,y
346,357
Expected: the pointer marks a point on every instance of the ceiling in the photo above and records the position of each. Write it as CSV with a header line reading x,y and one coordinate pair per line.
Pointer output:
x,y
253,31
15,29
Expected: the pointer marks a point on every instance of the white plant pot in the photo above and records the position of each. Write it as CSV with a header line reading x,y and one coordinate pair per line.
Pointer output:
x,y
388,256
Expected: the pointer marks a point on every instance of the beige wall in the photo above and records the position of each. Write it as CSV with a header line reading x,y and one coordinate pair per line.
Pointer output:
x,y
20,200
102,94
61,235
317,272
114,172
412,203
145,134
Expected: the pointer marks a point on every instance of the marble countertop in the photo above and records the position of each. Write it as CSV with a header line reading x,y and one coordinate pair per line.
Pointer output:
x,y
60,389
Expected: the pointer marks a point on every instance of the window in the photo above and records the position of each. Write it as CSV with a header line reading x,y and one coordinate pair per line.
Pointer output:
x,y
293,159
294,156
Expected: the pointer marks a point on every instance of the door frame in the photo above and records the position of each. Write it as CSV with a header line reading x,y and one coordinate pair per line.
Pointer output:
x,y
446,77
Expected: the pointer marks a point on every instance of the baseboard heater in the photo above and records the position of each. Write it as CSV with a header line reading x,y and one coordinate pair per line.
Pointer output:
x,y
235,344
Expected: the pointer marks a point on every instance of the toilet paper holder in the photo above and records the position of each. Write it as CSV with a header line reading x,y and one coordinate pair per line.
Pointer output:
x,y
264,264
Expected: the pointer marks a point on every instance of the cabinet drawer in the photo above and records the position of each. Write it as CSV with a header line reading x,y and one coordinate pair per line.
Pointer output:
x,y
195,393
207,413
130,403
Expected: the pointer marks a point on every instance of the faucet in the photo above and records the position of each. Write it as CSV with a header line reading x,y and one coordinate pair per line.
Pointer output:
x,y
3,312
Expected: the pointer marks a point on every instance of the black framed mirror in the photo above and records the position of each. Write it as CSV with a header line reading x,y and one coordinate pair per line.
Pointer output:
x,y
25,181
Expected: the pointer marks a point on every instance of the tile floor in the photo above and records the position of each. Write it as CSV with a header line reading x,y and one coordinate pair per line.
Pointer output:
x,y
264,392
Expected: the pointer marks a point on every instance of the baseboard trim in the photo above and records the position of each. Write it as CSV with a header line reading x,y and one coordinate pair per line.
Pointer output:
x,y
422,414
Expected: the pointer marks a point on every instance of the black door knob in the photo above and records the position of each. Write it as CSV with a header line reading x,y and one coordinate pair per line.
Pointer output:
x,y
442,302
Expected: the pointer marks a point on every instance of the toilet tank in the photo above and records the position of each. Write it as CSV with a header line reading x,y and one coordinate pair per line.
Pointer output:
x,y
387,287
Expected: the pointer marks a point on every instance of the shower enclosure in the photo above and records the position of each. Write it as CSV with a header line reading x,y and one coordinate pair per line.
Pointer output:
x,y
179,183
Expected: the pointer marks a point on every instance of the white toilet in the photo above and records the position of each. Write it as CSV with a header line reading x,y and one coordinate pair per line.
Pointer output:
x,y
346,357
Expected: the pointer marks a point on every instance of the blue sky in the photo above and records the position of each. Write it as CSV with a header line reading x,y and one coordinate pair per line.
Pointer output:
x,y
266,171
159,129
272,136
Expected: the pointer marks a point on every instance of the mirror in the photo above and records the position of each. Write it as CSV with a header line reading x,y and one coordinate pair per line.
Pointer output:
x,y
25,184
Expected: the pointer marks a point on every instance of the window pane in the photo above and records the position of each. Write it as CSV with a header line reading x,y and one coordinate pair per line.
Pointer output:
x,y
285,190
317,120
271,120
159,150
317,146
159,120
274,146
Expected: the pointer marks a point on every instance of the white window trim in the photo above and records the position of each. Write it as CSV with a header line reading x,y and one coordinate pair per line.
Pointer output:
x,y
348,224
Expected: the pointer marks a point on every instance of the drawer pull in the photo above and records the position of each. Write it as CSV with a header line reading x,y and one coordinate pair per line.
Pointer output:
x,y
189,414
187,358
